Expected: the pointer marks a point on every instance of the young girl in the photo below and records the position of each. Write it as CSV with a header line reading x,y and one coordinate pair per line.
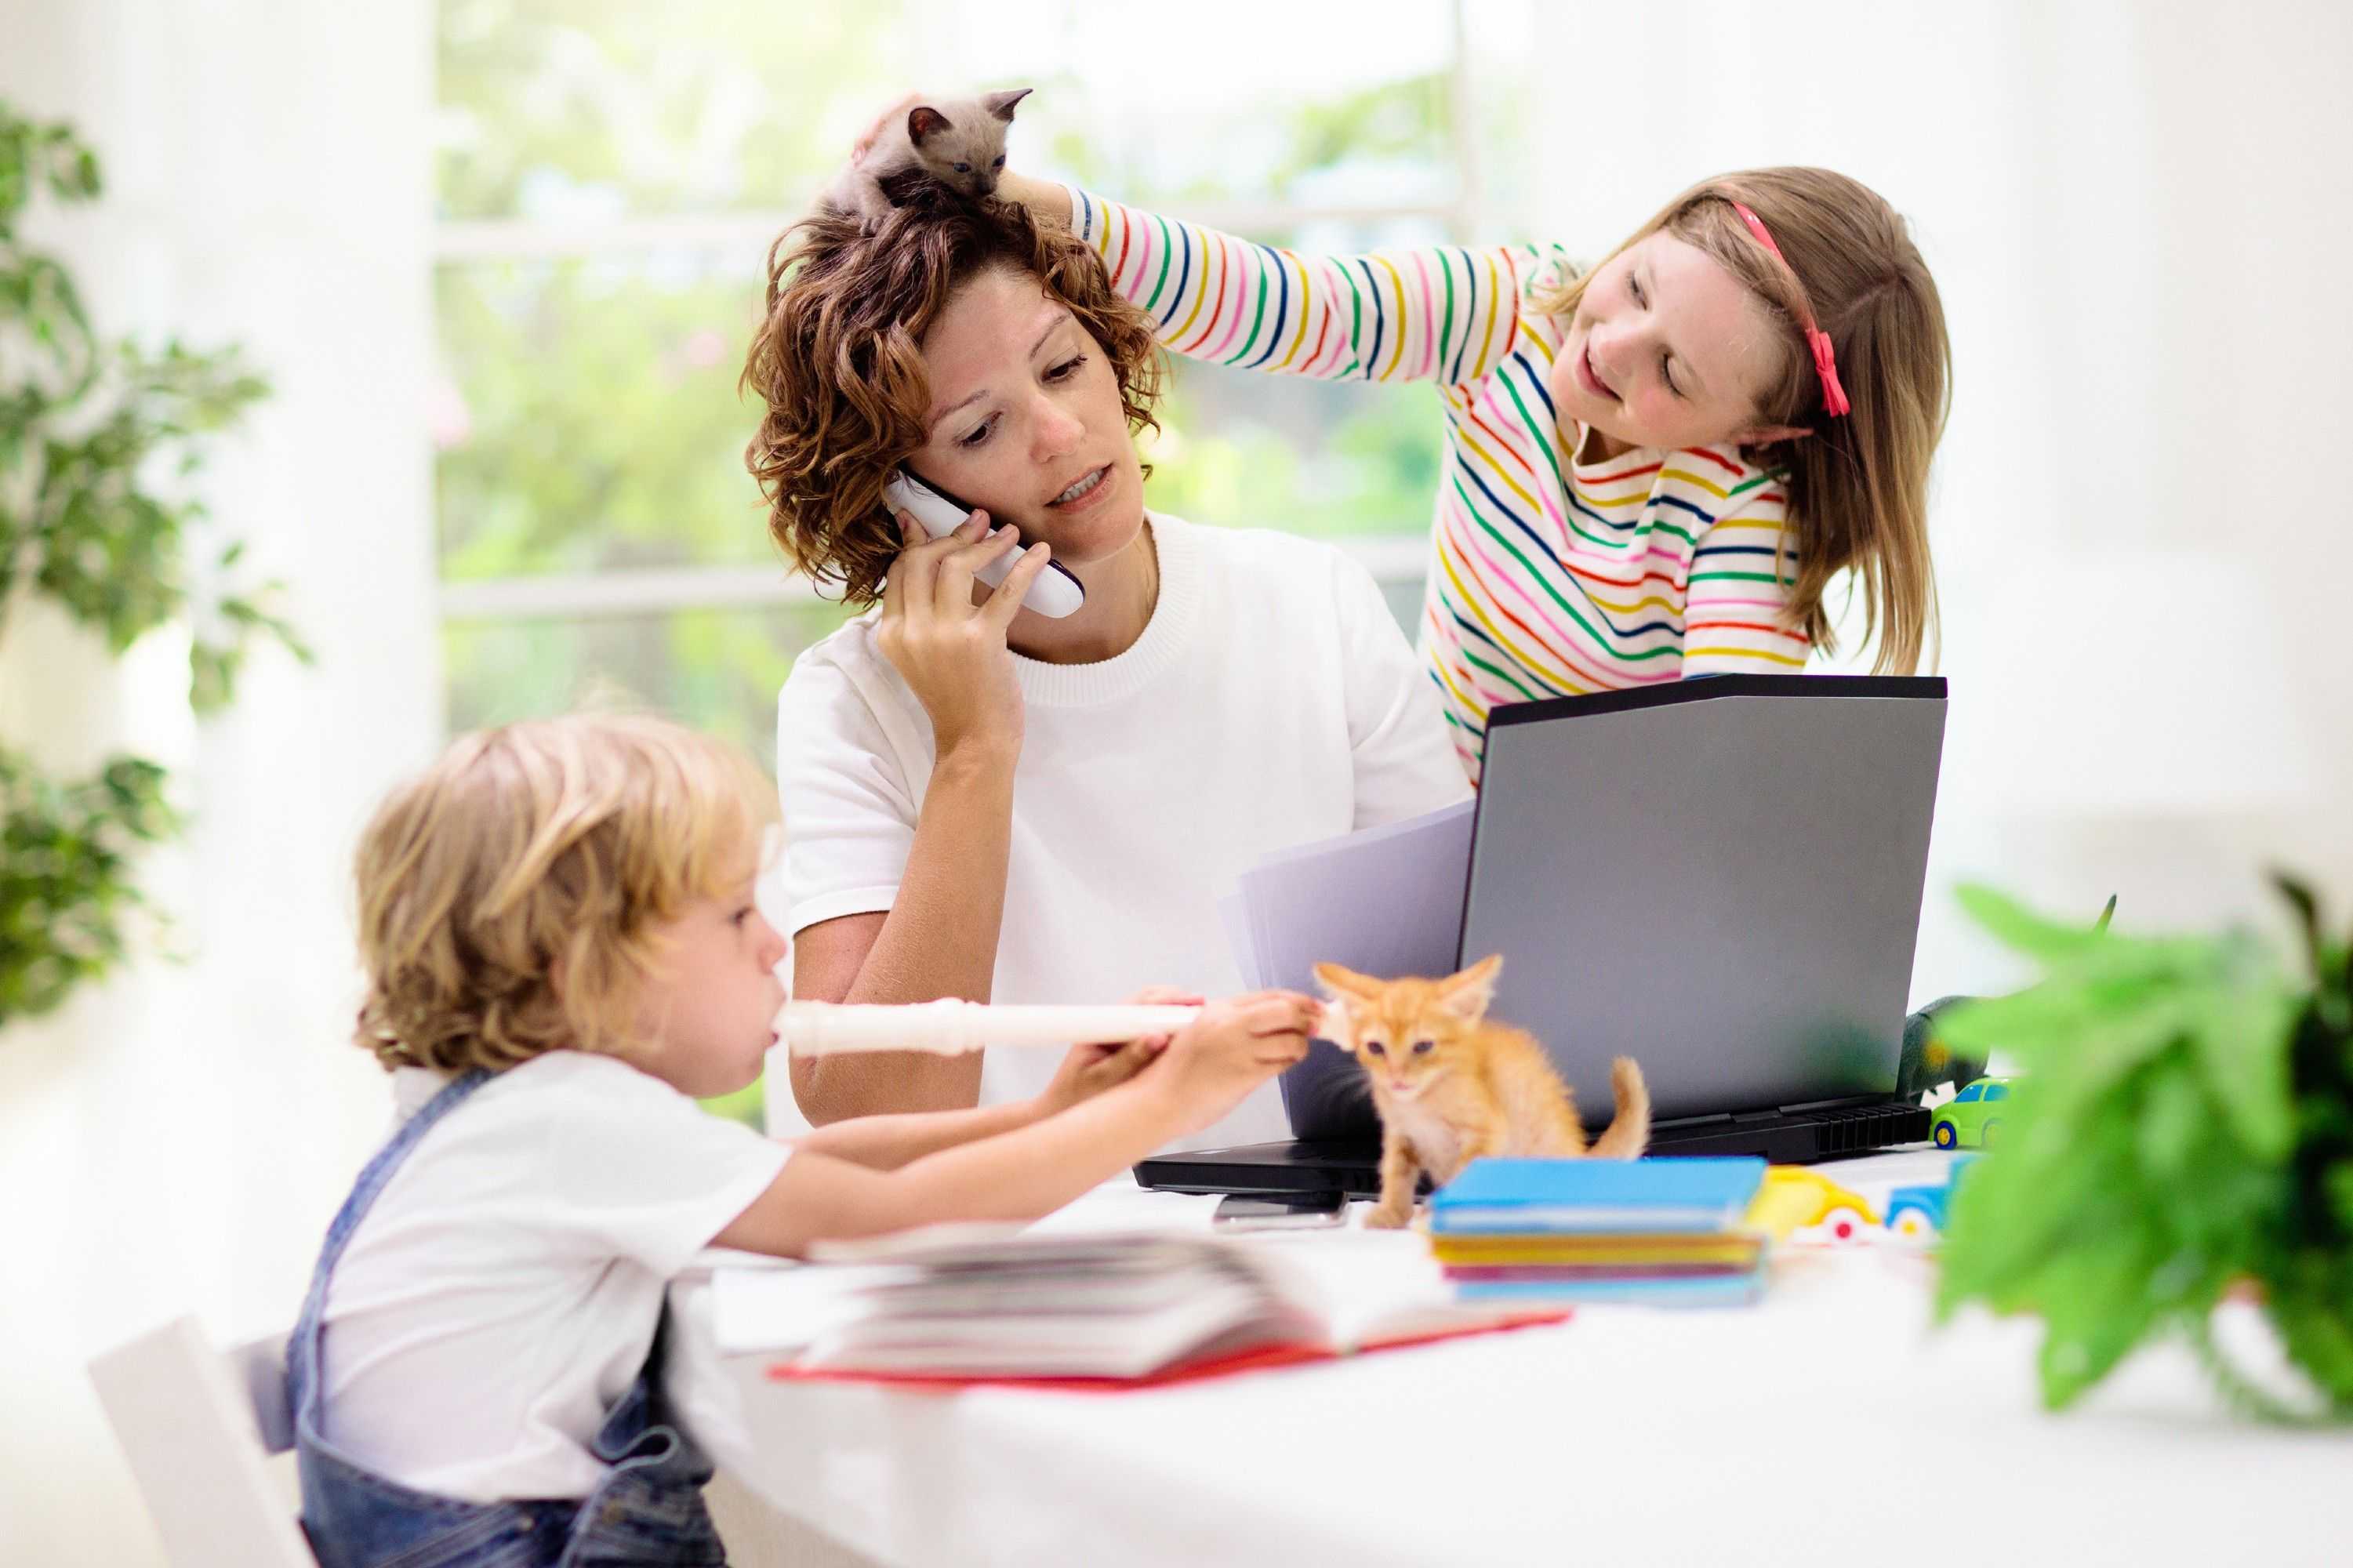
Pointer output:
x,y
562,952
1653,469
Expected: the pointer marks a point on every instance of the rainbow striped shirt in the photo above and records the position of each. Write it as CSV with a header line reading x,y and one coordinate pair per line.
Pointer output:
x,y
1547,577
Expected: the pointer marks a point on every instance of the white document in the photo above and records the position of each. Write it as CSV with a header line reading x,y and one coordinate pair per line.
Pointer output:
x,y
1234,915
1386,901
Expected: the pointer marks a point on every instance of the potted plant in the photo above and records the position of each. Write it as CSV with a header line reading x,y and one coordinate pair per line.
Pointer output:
x,y
2183,1129
99,442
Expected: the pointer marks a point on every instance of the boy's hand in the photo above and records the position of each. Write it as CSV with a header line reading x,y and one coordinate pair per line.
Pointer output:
x,y
1089,1070
1235,1045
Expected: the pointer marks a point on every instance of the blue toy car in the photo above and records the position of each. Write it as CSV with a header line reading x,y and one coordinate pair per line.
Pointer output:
x,y
1918,1212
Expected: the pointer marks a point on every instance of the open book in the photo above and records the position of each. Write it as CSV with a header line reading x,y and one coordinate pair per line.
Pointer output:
x,y
965,1303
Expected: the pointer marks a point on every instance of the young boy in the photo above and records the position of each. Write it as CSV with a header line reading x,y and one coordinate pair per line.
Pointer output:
x,y
562,953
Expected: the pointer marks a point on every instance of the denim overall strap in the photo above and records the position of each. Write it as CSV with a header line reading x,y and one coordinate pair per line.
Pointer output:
x,y
647,1511
302,1347
649,1507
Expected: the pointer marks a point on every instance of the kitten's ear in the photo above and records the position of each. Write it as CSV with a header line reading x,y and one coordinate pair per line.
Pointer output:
x,y
924,121
1001,104
1466,995
1345,984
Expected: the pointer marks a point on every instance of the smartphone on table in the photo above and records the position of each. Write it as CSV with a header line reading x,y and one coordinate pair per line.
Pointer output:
x,y
1280,1211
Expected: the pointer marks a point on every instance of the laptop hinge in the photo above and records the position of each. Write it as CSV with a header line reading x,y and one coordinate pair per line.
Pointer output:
x,y
1712,1119
1844,1102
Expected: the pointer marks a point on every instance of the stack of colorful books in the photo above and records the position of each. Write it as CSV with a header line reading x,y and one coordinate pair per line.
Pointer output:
x,y
1668,1232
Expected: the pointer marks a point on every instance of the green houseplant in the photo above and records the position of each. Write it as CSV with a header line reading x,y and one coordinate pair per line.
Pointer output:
x,y
2184,1128
99,442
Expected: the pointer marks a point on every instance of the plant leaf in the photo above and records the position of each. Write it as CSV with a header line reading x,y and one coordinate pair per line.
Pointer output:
x,y
2300,898
2241,1035
2019,928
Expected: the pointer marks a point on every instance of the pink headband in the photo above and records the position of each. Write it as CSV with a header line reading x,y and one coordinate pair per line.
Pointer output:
x,y
1834,401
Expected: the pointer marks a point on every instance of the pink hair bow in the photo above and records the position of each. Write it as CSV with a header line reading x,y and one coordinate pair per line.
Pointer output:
x,y
1834,402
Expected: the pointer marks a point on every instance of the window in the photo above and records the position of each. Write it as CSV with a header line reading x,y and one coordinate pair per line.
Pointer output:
x,y
610,176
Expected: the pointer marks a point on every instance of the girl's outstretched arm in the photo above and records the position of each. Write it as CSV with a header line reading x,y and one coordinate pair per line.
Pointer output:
x,y
1440,313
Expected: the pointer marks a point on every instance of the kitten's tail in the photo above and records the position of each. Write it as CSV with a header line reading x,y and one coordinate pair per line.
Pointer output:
x,y
1629,1133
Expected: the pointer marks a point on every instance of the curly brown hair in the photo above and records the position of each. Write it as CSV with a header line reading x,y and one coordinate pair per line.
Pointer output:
x,y
837,362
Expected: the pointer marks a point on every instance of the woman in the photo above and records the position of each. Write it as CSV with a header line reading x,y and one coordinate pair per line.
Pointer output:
x,y
984,803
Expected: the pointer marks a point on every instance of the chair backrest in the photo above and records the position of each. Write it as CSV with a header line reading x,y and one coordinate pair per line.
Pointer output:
x,y
196,1426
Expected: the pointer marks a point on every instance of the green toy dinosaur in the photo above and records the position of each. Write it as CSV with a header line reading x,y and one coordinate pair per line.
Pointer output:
x,y
1928,1062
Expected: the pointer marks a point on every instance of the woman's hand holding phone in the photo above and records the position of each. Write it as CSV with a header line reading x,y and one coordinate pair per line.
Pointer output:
x,y
950,651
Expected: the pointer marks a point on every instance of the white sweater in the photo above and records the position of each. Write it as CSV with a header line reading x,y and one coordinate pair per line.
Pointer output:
x,y
1270,701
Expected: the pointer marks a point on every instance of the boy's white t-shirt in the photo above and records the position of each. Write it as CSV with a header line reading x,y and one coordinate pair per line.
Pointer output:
x,y
504,1290
1270,701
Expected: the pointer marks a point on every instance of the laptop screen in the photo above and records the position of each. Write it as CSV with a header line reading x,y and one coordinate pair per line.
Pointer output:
x,y
1720,878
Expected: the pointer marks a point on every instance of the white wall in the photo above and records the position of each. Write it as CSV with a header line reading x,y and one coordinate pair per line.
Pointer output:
x,y
179,1141
2135,214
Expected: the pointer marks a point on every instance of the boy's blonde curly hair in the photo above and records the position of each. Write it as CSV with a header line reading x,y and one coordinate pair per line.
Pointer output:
x,y
509,898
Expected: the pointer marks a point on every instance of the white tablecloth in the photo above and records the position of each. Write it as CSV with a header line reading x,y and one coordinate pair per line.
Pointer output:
x,y
1827,1424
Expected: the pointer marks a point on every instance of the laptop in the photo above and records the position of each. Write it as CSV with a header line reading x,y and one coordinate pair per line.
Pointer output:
x,y
1720,878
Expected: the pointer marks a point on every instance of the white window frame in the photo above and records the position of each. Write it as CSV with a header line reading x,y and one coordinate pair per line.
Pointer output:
x,y
1395,561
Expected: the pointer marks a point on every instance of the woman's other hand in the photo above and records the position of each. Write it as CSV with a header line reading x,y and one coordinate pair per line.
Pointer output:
x,y
950,651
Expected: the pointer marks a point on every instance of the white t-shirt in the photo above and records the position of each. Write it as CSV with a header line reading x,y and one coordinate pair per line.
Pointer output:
x,y
1270,701
504,1290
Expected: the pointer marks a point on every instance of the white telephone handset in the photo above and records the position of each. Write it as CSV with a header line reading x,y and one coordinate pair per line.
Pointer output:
x,y
1055,593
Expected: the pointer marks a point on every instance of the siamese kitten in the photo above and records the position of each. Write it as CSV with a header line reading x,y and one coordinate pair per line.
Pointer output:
x,y
1453,1088
960,143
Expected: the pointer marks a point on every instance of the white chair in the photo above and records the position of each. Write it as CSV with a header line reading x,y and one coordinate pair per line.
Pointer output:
x,y
198,1427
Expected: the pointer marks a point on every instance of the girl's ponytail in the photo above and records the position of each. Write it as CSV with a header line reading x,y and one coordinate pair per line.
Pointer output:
x,y
1858,485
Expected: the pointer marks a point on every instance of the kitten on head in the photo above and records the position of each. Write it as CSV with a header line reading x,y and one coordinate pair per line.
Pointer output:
x,y
957,143
1453,1087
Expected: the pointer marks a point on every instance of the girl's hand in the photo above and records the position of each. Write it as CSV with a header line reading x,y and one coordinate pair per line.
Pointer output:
x,y
866,139
1232,1047
1089,1070
950,651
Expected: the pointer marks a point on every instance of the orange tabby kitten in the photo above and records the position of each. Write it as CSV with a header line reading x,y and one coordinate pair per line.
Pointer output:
x,y
1453,1088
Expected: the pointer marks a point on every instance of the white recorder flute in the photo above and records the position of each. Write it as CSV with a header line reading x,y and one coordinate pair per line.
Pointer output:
x,y
951,1027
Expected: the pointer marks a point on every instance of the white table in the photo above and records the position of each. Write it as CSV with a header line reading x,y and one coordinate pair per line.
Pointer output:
x,y
1827,1424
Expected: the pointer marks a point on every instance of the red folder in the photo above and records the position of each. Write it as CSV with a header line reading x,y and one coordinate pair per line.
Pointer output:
x,y
1258,1358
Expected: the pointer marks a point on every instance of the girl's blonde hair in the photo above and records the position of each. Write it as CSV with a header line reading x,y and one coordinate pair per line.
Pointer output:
x,y
1858,485
509,898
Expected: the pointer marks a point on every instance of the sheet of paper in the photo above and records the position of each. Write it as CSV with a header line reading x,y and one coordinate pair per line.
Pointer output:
x,y
1234,915
1386,901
